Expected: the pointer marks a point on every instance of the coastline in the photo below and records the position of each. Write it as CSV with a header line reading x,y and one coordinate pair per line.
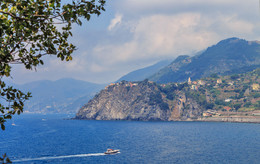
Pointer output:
x,y
231,119
237,119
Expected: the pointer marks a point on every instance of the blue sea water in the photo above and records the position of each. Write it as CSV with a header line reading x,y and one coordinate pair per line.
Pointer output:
x,y
53,139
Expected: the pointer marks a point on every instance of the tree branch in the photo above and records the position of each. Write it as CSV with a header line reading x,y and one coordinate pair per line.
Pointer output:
x,y
12,15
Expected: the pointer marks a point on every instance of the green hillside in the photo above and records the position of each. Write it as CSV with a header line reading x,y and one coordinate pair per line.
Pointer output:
x,y
229,56
237,92
234,98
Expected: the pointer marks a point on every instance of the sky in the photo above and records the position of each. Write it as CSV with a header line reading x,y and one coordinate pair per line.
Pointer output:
x,y
133,34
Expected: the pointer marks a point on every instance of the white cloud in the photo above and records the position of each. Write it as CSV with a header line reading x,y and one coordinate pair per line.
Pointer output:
x,y
160,36
232,23
145,31
180,6
116,21
172,35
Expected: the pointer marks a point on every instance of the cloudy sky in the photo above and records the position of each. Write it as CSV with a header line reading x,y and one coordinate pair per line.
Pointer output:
x,y
133,34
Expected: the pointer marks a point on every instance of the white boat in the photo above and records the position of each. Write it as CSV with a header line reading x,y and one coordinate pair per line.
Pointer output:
x,y
13,124
111,151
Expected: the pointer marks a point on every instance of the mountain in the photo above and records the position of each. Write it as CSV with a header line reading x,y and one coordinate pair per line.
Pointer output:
x,y
220,98
61,96
141,74
135,101
229,56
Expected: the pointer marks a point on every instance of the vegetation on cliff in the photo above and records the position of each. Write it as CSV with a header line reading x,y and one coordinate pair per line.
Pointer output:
x,y
237,92
190,100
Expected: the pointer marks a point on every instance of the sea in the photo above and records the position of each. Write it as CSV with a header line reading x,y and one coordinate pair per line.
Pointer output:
x,y
54,138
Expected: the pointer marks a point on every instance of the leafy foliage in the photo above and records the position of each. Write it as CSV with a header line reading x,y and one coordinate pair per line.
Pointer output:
x,y
237,106
30,30
256,95
199,97
169,91
214,75
156,99
14,100
5,159
234,77
210,106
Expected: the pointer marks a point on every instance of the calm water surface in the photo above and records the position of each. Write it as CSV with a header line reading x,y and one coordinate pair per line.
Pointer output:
x,y
51,139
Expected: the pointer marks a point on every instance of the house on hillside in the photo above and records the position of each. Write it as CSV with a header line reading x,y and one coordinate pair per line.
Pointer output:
x,y
231,83
201,82
132,84
228,100
112,84
207,114
219,81
135,84
194,87
227,108
255,87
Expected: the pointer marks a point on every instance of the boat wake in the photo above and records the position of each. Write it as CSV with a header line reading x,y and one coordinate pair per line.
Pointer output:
x,y
59,157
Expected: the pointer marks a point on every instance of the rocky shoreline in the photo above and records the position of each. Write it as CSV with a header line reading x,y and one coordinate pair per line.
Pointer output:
x,y
231,119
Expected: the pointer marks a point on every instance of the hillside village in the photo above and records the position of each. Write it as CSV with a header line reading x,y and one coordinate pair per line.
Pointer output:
x,y
236,95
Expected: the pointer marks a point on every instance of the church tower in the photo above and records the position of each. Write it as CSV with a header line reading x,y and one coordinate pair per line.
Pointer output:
x,y
189,81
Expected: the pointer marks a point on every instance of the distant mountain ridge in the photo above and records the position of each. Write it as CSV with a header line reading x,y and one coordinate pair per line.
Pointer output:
x,y
143,73
228,56
62,96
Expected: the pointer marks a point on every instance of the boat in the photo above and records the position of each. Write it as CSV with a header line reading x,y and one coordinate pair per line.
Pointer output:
x,y
13,124
111,151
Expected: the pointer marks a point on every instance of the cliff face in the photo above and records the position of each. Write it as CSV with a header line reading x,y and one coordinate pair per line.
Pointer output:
x,y
217,98
138,101
184,108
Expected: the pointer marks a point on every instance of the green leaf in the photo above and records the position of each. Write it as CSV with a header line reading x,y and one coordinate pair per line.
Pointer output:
x,y
34,22
2,126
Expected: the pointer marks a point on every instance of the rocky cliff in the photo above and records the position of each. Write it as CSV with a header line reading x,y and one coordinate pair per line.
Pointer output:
x,y
217,98
139,101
